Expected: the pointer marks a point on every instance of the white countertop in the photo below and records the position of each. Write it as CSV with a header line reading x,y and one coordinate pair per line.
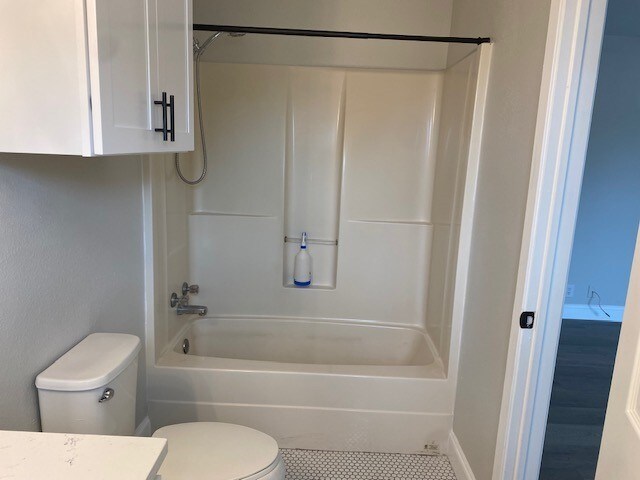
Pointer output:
x,y
52,456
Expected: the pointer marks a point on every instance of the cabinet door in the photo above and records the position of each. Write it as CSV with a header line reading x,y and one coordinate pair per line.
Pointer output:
x,y
174,53
122,76
139,49
44,88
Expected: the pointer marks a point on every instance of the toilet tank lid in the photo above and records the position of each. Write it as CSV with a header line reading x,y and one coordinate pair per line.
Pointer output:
x,y
92,363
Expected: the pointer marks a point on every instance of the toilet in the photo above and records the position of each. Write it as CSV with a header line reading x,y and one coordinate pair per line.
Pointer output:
x,y
92,389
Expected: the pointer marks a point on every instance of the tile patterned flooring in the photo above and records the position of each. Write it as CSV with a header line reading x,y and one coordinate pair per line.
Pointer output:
x,y
326,465
581,384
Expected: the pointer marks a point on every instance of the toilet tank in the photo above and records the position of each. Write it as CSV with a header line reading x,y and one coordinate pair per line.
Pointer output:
x,y
92,387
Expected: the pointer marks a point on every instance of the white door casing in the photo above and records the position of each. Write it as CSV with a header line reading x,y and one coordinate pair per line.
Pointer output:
x,y
568,85
620,448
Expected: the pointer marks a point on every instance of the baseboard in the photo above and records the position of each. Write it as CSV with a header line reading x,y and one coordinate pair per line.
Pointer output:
x,y
144,429
572,311
458,460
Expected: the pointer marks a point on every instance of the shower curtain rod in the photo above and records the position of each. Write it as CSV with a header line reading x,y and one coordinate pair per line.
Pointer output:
x,y
336,34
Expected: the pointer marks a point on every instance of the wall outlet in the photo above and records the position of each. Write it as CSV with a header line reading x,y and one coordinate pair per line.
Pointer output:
x,y
571,288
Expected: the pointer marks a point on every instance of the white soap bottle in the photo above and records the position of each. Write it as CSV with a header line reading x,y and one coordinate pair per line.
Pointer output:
x,y
302,265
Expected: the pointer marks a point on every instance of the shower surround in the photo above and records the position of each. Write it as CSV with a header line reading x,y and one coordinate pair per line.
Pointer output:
x,y
379,167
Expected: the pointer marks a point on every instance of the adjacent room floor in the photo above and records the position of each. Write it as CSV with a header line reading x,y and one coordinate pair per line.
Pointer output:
x,y
324,465
581,384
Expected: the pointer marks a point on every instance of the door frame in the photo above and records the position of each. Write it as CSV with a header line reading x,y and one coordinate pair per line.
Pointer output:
x,y
572,55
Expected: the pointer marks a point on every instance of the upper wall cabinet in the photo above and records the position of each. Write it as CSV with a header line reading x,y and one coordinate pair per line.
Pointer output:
x,y
96,77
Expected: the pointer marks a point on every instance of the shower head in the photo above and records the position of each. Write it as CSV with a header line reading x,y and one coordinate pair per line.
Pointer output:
x,y
199,49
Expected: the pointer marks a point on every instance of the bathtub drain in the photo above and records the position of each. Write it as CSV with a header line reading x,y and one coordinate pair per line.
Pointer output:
x,y
185,345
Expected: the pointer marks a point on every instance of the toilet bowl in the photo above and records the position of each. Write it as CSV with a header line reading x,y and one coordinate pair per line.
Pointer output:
x,y
92,389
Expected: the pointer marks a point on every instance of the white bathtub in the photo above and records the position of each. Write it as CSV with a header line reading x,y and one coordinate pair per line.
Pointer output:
x,y
309,383
292,343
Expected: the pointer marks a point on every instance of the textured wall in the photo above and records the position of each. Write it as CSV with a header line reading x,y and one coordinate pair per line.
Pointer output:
x,y
70,264
610,200
518,28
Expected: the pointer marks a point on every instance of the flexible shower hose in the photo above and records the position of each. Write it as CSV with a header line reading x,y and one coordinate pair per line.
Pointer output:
x,y
204,142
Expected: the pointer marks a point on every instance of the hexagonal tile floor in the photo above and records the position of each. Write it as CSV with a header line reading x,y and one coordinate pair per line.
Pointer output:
x,y
326,465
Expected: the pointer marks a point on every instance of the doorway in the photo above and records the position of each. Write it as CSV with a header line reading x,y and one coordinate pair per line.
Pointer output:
x,y
601,258
575,41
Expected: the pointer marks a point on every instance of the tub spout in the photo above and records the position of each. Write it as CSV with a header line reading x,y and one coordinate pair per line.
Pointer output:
x,y
192,309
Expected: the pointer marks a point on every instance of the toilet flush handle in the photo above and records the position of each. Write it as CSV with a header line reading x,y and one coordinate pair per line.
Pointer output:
x,y
107,395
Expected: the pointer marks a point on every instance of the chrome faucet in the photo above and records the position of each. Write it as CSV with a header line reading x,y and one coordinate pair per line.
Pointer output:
x,y
181,304
191,309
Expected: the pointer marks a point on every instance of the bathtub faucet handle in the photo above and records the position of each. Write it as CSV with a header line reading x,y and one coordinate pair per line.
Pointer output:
x,y
186,289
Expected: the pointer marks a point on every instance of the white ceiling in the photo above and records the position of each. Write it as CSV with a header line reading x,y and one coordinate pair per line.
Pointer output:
x,y
623,18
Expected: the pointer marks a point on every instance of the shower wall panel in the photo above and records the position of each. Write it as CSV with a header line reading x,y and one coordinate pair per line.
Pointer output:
x,y
313,169
244,112
344,153
390,145
458,99
177,245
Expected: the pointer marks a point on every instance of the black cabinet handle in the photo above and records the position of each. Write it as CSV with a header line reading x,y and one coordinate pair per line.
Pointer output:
x,y
164,129
172,116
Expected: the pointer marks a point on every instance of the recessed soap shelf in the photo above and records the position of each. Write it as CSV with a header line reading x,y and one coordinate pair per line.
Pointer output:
x,y
312,241
310,287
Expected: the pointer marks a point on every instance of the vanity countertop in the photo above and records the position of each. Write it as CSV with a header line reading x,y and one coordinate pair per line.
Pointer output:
x,y
65,456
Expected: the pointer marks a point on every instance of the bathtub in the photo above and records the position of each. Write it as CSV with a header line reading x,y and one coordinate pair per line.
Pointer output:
x,y
319,384
307,345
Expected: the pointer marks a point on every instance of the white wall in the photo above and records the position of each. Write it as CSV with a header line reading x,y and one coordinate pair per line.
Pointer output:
x,y
518,28
70,264
609,211
419,17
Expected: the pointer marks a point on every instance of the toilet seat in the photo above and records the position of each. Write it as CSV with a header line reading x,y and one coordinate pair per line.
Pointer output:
x,y
219,451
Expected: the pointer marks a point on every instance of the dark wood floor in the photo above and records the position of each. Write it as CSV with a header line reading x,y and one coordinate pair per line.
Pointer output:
x,y
581,385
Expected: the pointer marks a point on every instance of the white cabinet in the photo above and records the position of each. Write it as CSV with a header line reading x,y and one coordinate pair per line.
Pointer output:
x,y
87,77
